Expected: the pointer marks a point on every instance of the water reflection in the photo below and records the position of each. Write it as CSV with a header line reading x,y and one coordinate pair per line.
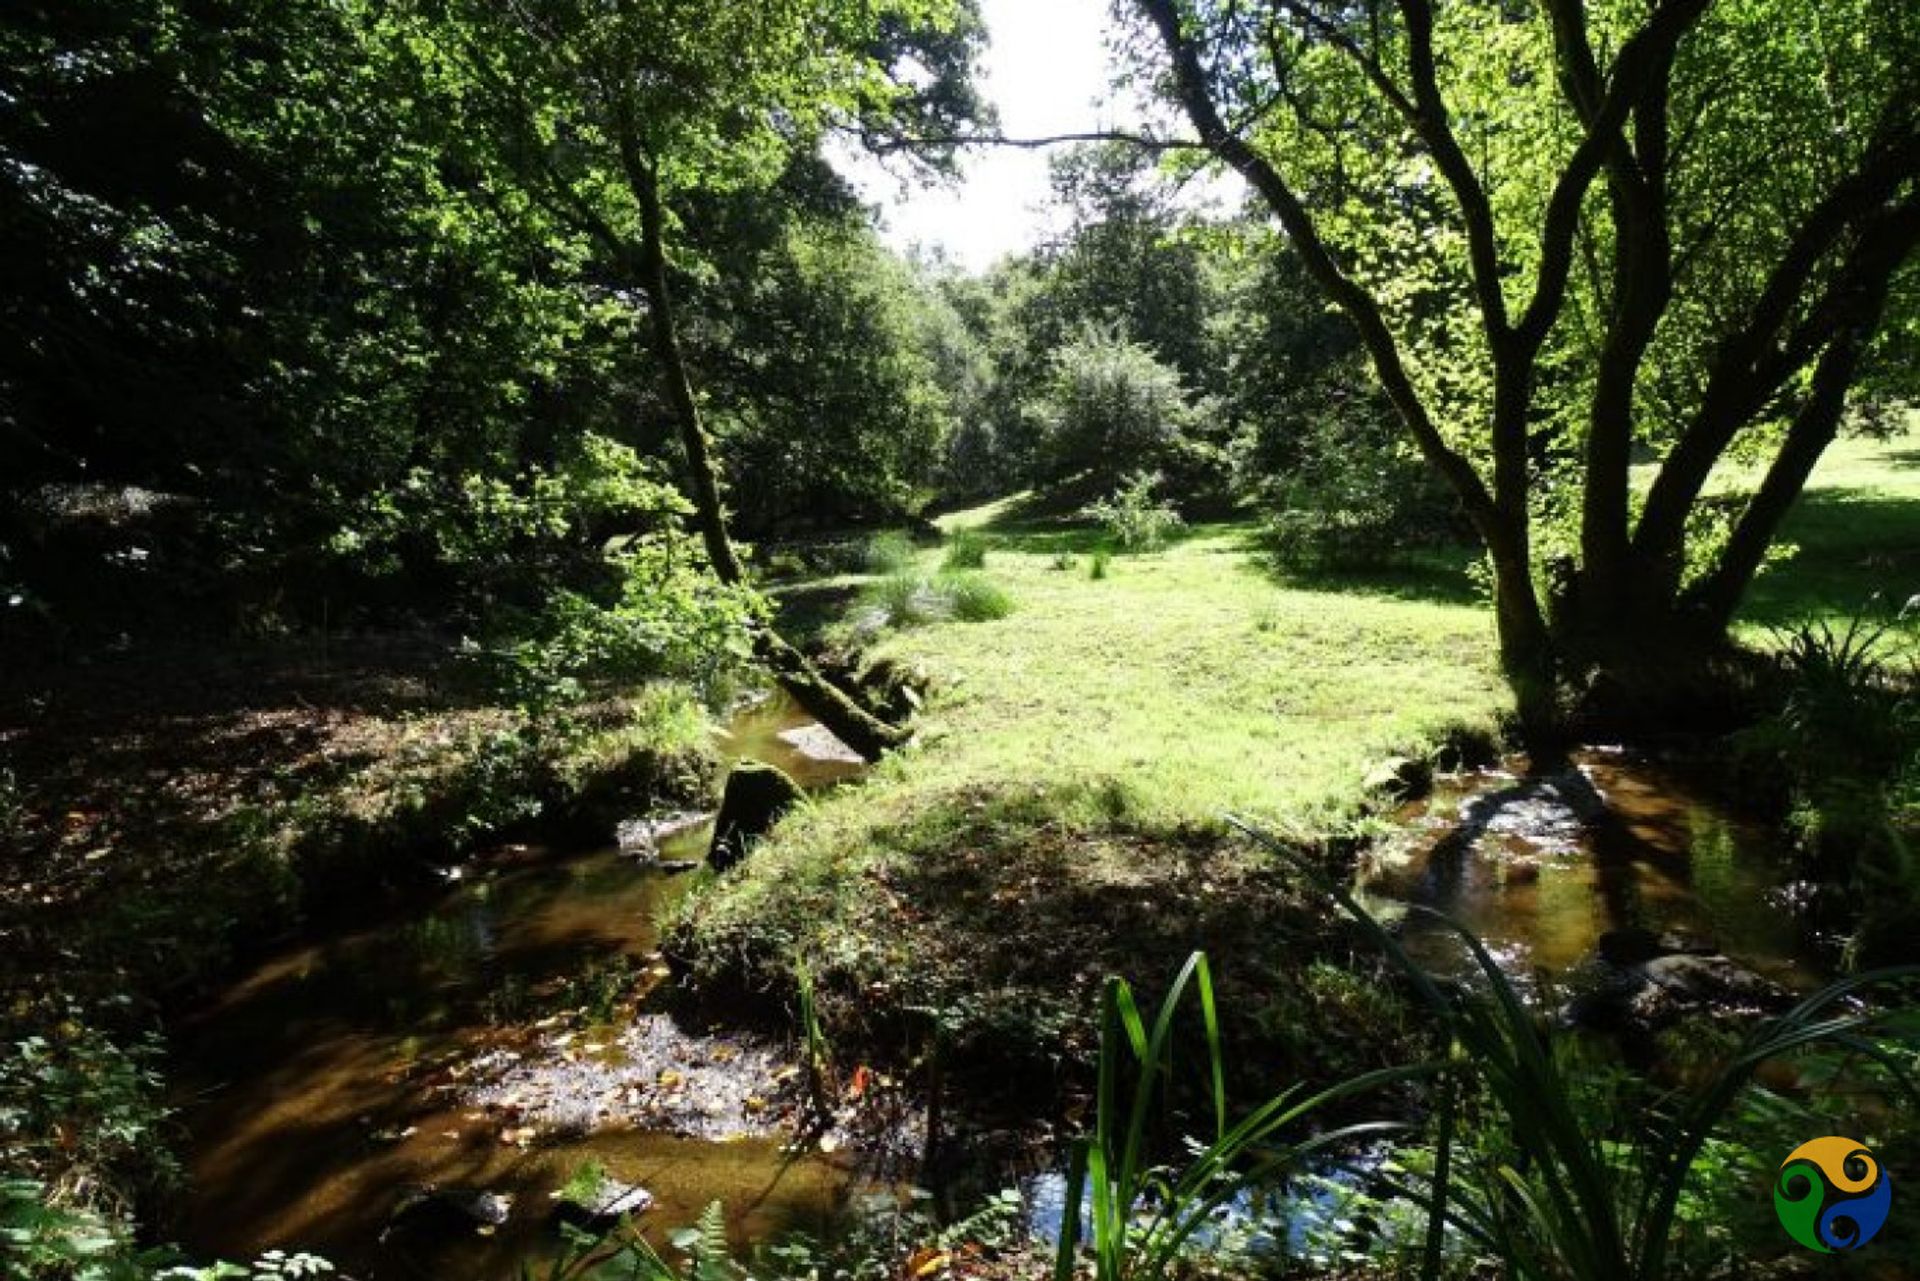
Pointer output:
x,y
325,1083
1540,869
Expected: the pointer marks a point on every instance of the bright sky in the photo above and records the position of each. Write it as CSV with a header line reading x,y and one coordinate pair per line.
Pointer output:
x,y
1047,71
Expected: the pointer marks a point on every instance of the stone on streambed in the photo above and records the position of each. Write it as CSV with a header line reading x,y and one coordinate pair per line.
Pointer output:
x,y
611,1203
1648,981
1551,813
817,743
432,1209
641,837
757,795
1518,825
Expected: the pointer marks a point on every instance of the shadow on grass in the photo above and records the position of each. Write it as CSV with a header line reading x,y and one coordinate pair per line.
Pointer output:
x,y
1428,575
1855,551
1005,909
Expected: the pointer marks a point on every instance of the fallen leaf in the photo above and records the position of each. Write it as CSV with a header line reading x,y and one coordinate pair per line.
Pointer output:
x,y
928,1261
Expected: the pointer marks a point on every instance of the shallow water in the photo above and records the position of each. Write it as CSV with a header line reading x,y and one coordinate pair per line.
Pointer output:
x,y
338,1074
1540,871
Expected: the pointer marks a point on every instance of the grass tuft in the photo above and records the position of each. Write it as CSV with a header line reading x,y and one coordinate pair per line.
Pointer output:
x,y
966,550
891,553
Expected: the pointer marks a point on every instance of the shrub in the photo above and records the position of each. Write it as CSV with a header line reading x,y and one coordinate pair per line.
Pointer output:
x,y
1846,745
913,600
1351,496
82,1112
661,616
1131,516
1112,405
890,553
978,599
1097,564
966,551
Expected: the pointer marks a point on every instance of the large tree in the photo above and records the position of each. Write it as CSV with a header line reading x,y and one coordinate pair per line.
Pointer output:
x,y
1573,232
610,115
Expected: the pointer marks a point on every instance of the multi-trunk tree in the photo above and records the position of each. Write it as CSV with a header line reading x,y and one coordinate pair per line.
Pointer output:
x,y
1595,249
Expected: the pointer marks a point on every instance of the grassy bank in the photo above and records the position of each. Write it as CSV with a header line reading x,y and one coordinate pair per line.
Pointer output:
x,y
1853,542
1060,816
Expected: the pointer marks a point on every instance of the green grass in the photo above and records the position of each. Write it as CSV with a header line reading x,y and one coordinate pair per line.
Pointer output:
x,y
1193,684
1059,817
1853,542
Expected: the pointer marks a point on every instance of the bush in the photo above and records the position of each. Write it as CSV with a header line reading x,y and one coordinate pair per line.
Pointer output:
x,y
1846,745
913,600
891,553
966,551
978,599
1097,564
1132,518
1110,406
82,1113
1352,496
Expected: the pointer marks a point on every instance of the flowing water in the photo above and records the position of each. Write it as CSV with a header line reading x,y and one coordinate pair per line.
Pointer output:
x,y
1542,868
350,1069
336,1077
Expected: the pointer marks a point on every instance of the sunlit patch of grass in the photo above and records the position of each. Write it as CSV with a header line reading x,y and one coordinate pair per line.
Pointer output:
x,y
1075,760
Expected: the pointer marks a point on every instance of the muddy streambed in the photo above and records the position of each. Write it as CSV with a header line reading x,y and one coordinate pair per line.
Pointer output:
x,y
327,1087
1614,858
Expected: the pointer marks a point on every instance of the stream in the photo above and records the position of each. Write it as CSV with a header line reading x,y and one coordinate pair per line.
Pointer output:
x,y
338,1079
1551,872
346,1075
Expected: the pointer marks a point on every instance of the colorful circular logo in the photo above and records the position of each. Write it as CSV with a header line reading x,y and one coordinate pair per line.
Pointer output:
x,y
1832,1195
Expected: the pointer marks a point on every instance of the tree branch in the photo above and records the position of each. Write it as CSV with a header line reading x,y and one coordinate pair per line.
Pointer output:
x,y
1755,359
1648,49
1190,83
1146,142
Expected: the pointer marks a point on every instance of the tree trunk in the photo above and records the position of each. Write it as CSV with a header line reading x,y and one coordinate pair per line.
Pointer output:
x,y
826,702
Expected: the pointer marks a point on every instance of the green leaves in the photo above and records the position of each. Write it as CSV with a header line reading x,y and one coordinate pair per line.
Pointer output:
x,y
1139,1216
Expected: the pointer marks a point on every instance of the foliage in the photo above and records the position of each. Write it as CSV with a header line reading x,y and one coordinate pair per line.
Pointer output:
x,y
977,598
667,618
1133,518
890,553
1111,408
838,373
1844,747
1351,497
1548,283
1551,1198
1139,1215
81,1112
916,600
47,1241
965,550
